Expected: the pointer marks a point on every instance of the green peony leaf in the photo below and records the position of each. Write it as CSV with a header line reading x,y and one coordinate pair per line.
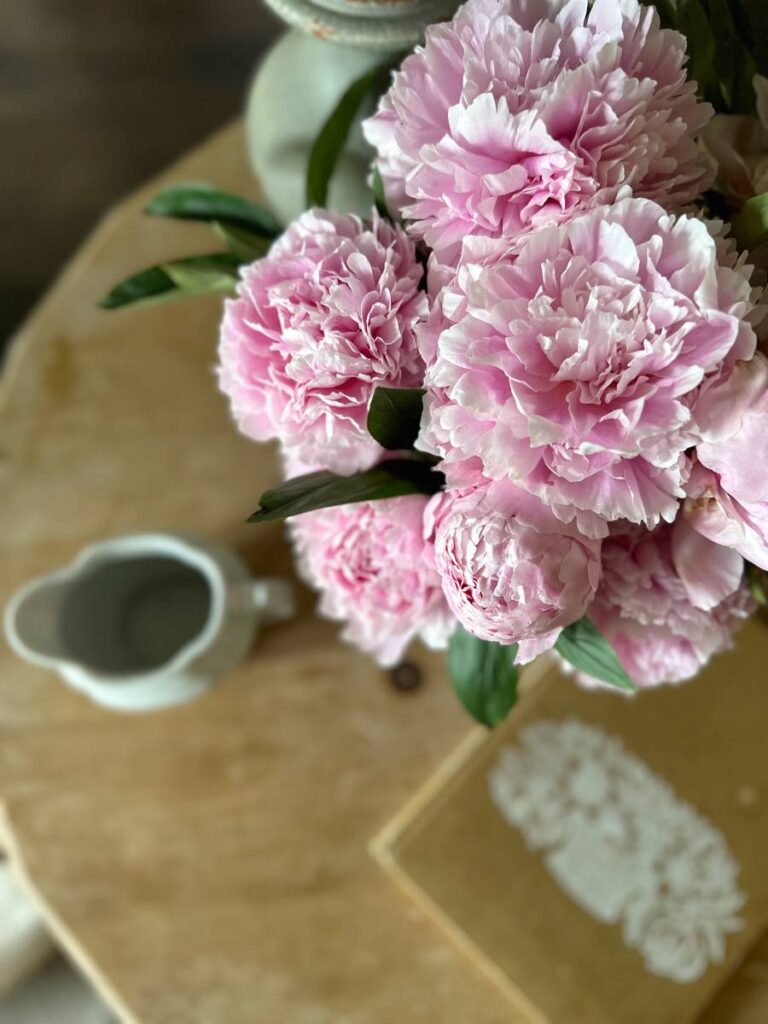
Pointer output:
x,y
379,197
329,143
200,279
205,203
394,417
245,245
145,287
750,226
749,18
484,676
324,489
734,65
585,647
693,22
757,581
667,12
177,279
713,46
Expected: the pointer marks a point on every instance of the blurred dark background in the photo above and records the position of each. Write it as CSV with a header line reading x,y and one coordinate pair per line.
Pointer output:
x,y
96,96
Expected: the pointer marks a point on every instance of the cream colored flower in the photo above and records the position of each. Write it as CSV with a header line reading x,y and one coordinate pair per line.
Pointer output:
x,y
737,144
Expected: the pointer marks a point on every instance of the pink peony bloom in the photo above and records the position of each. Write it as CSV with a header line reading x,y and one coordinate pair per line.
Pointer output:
x,y
375,572
511,572
323,319
717,515
668,600
572,361
728,488
519,113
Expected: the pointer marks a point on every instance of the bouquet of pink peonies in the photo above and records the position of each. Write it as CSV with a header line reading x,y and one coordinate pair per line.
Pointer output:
x,y
522,405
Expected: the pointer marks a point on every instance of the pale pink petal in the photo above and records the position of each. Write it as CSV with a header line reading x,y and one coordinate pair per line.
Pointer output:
x,y
374,567
511,572
709,571
320,322
586,361
720,517
520,113
644,608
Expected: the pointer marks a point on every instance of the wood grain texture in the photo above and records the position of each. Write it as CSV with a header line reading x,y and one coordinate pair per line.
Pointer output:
x,y
208,864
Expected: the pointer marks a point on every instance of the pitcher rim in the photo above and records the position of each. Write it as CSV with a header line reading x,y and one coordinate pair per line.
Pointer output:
x,y
183,548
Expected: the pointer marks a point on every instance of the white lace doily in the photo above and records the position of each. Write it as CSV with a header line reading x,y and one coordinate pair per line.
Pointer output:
x,y
622,844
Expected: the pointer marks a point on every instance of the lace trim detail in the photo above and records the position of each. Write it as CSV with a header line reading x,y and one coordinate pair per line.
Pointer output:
x,y
622,844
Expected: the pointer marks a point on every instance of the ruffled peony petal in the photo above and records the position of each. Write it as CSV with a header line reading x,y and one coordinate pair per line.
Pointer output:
x,y
511,573
643,605
710,572
374,567
321,321
529,650
735,413
520,114
586,361
722,519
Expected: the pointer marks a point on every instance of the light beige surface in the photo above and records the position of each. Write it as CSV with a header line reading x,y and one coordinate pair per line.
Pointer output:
x,y
208,864
706,741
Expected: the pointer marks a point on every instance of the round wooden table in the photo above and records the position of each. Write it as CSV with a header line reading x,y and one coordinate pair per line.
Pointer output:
x,y
208,864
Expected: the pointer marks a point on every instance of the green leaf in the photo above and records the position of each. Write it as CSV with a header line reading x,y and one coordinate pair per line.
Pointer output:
x,y
750,226
379,197
201,279
205,203
585,647
297,487
394,417
484,676
150,285
177,279
243,244
725,62
390,479
694,24
726,44
757,581
749,18
329,144
691,18
666,13
734,65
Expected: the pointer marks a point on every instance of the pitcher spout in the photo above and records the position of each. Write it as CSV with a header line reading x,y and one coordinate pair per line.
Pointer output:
x,y
32,620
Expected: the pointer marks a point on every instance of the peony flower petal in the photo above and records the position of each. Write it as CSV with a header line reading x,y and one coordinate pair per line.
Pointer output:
x,y
373,564
521,113
722,519
321,321
710,572
585,361
510,571
643,606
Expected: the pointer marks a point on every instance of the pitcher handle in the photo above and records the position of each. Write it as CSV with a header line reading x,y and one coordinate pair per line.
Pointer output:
x,y
274,599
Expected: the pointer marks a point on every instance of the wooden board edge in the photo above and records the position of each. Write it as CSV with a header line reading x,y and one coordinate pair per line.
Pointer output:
x,y
62,935
383,845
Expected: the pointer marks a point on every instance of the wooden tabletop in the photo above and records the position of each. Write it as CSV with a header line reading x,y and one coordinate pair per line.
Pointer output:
x,y
208,864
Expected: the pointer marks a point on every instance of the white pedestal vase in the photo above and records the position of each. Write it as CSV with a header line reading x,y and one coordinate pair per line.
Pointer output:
x,y
302,79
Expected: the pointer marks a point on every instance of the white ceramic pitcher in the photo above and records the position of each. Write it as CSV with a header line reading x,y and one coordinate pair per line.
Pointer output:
x,y
145,620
